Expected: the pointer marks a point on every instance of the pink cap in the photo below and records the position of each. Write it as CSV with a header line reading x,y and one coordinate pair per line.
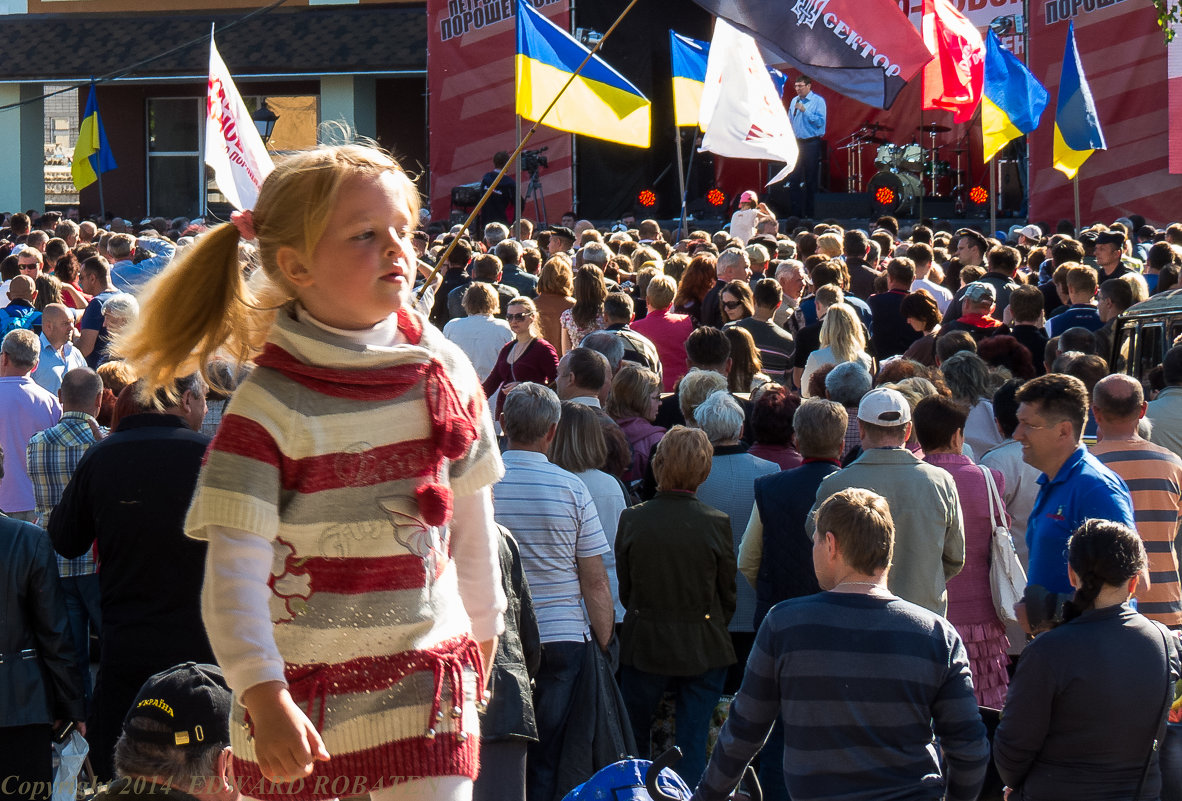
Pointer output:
x,y
748,197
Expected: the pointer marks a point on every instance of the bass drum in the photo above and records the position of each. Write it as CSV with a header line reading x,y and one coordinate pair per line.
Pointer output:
x,y
894,192
887,157
911,158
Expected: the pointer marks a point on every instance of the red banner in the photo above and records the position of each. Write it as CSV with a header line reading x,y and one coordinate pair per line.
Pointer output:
x,y
470,51
1127,74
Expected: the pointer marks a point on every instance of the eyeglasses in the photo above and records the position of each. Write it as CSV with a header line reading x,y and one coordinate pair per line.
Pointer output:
x,y
33,266
517,318
731,305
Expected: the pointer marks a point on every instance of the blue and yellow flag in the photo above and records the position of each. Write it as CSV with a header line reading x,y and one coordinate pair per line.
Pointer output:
x,y
1013,100
92,153
689,58
1077,126
689,75
600,102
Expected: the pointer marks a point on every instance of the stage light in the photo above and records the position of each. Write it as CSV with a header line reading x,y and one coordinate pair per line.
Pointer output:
x,y
885,196
716,197
979,195
647,198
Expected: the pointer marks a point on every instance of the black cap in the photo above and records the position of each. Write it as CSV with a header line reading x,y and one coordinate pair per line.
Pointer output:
x,y
563,231
1111,238
192,700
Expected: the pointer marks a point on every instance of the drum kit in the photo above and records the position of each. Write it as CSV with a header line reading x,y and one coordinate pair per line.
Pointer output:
x,y
906,172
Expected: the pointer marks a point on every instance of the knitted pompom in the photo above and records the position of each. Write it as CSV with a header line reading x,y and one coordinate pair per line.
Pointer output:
x,y
434,502
454,441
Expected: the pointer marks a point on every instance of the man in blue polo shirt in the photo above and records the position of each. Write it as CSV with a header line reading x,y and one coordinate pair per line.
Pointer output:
x,y
1074,486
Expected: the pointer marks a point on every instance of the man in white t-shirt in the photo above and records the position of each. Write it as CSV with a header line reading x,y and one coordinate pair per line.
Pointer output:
x,y
922,254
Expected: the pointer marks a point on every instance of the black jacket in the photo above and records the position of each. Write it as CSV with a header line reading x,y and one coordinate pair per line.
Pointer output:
x,y
510,713
130,493
42,684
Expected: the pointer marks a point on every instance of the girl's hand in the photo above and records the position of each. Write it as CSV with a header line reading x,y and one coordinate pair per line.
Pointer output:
x,y
286,744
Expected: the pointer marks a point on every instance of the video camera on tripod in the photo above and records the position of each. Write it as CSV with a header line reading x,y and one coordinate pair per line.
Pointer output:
x,y
533,160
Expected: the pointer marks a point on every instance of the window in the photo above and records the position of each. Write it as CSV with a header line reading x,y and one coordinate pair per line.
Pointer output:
x,y
174,156
179,183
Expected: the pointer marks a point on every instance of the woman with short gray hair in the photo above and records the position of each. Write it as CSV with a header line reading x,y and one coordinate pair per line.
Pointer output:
x,y
730,488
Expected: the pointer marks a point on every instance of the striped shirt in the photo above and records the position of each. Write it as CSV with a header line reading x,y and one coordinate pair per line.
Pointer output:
x,y
552,515
1154,476
862,685
52,456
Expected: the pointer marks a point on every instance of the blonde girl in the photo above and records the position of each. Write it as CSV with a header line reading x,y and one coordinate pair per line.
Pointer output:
x,y
346,496
842,340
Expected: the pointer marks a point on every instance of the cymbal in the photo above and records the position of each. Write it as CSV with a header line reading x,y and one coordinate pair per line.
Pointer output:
x,y
873,140
958,149
932,128
875,126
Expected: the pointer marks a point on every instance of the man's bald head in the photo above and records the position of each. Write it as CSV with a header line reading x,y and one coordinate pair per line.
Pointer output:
x,y
56,312
56,324
81,391
1119,397
22,288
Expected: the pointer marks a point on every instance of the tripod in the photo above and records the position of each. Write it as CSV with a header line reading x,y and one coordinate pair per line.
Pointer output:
x,y
534,190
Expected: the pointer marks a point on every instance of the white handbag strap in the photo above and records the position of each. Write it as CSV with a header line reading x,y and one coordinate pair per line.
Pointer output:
x,y
994,501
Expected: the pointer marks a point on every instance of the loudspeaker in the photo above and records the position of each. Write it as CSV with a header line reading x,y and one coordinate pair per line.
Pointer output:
x,y
841,205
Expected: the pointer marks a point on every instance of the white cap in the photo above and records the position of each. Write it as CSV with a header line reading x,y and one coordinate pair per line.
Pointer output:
x,y
884,407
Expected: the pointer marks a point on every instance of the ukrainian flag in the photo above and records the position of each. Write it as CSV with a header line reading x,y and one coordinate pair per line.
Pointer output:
x,y
600,101
1077,126
689,76
92,153
1013,100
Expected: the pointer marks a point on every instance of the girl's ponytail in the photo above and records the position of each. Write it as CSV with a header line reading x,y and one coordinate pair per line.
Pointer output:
x,y
197,307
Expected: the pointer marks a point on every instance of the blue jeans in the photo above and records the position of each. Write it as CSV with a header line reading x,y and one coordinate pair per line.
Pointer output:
x,y
82,609
695,696
554,687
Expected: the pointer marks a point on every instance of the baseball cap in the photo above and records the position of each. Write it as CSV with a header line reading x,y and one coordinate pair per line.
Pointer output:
x,y
1031,232
192,700
979,292
748,197
1111,238
884,407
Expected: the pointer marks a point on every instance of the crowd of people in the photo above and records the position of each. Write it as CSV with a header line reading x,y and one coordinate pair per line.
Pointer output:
x,y
342,523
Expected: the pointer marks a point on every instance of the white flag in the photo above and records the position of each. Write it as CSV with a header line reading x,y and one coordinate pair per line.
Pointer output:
x,y
741,111
233,147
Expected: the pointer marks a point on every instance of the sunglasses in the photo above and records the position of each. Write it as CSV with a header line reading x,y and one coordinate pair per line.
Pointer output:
x,y
517,318
731,305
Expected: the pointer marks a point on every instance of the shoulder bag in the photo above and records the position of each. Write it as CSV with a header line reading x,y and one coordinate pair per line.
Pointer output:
x,y
1007,579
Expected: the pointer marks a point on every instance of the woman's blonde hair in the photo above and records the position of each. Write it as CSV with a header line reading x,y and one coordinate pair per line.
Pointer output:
x,y
682,460
481,298
632,388
842,332
201,305
578,444
556,278
830,245
695,387
535,325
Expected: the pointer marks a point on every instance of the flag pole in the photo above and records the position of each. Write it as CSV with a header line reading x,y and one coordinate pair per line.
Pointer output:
x,y
517,201
1075,190
99,171
442,260
680,173
992,165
